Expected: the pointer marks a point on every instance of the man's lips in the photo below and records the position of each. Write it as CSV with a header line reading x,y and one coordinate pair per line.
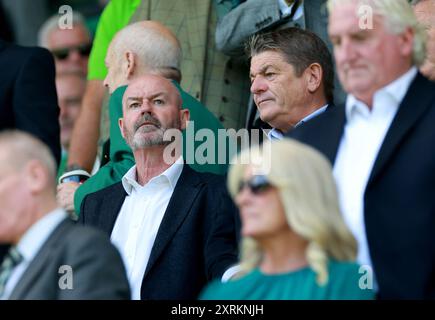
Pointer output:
x,y
263,100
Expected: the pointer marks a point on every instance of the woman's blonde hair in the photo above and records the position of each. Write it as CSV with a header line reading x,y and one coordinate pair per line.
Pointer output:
x,y
307,190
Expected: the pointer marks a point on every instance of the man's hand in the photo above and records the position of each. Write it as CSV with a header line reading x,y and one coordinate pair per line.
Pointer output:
x,y
65,195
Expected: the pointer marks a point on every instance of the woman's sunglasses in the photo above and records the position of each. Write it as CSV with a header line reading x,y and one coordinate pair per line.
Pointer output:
x,y
84,50
257,184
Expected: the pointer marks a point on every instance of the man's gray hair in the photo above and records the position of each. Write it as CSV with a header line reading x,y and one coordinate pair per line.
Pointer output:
x,y
398,15
53,23
23,147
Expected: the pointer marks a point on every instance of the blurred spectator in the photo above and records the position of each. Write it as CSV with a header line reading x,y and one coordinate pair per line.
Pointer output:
x,y
295,244
207,74
292,78
28,99
70,47
425,12
237,23
377,141
187,236
46,244
70,90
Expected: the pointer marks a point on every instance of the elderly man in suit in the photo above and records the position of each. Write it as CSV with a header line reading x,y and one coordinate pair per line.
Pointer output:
x,y
174,226
50,257
381,142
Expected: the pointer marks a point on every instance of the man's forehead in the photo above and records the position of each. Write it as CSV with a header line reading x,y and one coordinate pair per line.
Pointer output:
x,y
150,87
267,58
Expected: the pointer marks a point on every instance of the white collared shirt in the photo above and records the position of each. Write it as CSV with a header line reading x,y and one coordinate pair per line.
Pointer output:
x,y
362,138
276,134
30,244
139,220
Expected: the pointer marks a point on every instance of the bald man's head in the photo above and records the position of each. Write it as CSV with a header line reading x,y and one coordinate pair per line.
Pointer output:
x,y
27,183
142,47
151,105
18,148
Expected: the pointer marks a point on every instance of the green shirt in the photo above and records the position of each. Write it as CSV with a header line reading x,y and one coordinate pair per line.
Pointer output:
x,y
115,16
297,285
121,156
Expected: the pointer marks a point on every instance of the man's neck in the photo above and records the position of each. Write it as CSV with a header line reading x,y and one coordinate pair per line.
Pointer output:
x,y
150,162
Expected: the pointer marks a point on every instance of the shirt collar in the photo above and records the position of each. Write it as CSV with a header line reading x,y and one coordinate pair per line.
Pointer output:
x,y
38,233
171,175
312,115
276,134
395,91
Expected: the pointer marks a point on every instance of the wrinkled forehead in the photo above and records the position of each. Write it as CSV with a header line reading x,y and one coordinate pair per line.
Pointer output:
x,y
150,87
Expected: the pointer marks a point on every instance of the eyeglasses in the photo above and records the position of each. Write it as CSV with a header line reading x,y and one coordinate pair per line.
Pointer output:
x,y
62,53
257,184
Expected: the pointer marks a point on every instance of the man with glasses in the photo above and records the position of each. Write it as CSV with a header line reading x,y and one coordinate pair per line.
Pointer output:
x,y
70,47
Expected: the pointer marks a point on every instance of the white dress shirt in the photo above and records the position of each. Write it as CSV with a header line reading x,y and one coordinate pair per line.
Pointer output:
x,y
139,220
30,243
363,136
275,134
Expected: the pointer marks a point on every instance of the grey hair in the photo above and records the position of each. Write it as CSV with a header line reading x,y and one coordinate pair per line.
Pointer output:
x,y
398,15
153,49
24,147
52,24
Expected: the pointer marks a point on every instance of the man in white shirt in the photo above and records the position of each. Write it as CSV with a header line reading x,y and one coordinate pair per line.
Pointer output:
x,y
380,143
291,78
50,257
175,228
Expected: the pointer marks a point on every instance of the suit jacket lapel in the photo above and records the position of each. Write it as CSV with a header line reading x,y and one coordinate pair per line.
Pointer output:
x,y
179,206
36,266
110,208
417,100
324,131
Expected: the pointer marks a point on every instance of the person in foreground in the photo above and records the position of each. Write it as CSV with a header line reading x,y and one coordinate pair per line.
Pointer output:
x,y
295,244
50,257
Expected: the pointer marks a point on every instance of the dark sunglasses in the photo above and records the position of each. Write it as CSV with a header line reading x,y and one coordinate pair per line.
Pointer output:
x,y
257,184
84,50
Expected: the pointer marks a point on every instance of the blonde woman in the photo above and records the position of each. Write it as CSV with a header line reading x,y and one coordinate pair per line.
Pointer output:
x,y
295,244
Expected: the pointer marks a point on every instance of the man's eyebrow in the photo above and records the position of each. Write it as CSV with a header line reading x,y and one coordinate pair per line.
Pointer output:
x,y
129,99
262,70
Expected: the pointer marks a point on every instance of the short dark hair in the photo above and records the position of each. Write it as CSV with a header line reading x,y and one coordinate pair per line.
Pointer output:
x,y
300,48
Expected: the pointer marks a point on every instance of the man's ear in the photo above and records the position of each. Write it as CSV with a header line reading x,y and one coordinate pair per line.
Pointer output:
x,y
407,42
36,175
121,126
314,75
184,117
130,64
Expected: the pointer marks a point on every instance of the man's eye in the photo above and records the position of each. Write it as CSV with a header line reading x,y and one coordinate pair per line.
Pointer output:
x,y
158,102
269,75
134,105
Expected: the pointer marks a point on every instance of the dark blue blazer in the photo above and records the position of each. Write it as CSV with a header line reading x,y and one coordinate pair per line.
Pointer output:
x,y
196,241
28,99
399,200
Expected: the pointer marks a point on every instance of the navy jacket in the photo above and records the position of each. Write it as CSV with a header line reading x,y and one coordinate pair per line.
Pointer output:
x,y
196,241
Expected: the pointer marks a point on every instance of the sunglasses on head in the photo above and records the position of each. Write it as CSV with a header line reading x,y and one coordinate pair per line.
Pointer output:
x,y
257,184
84,50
